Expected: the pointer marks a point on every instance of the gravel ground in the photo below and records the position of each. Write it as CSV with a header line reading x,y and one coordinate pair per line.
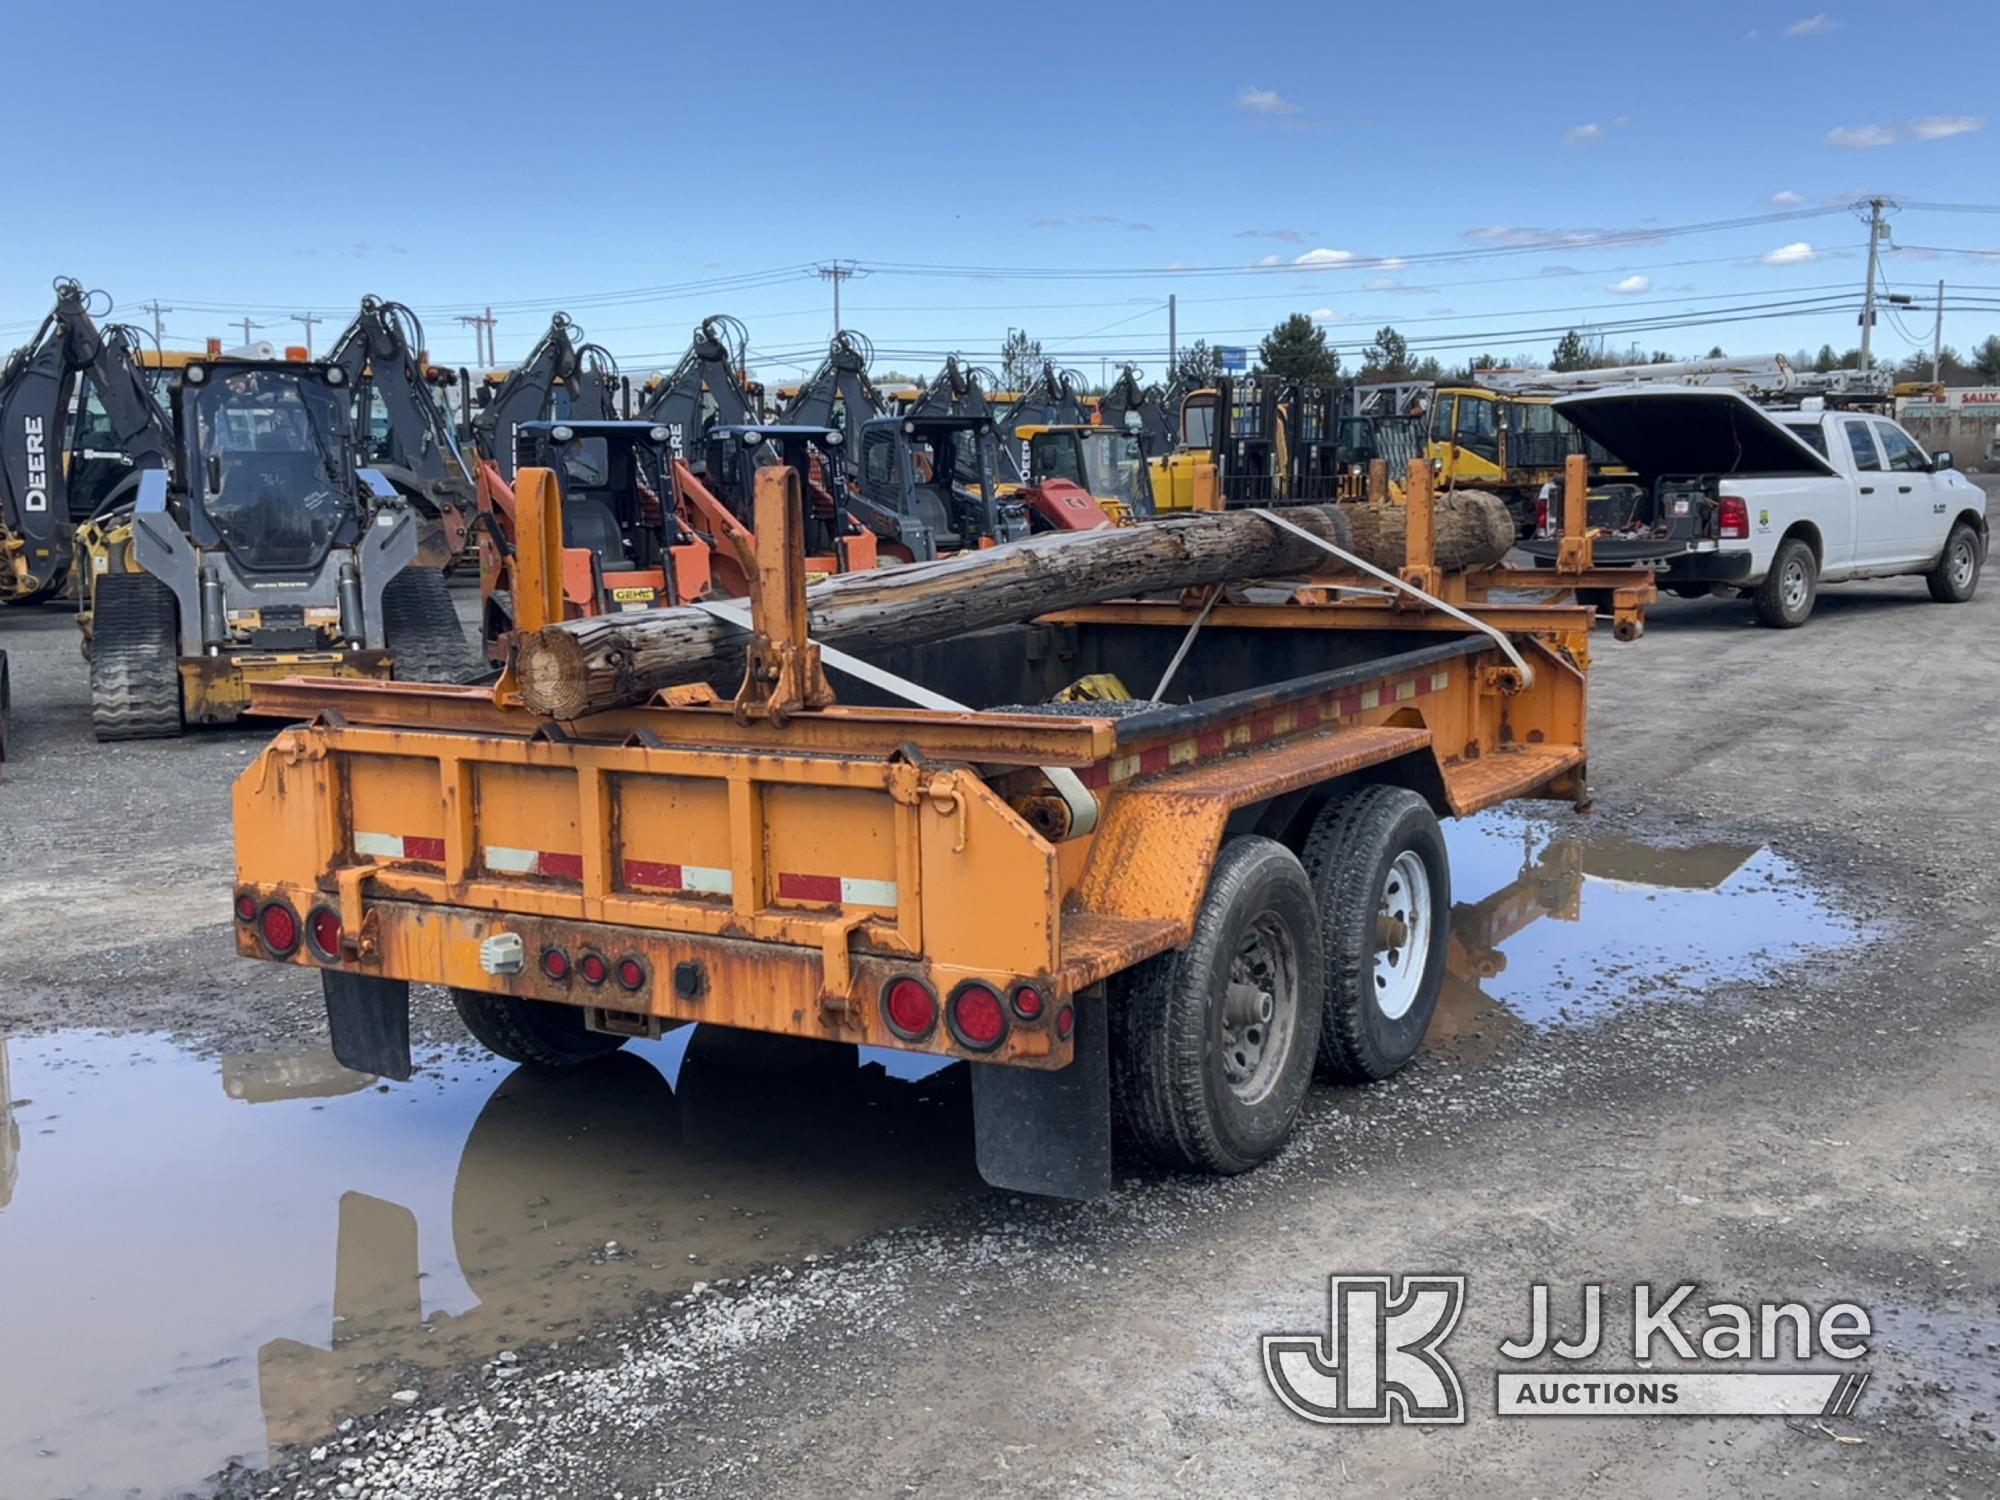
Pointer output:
x,y
1828,1135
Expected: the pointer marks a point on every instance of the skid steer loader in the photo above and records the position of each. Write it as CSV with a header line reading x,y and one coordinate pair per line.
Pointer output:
x,y
927,480
265,552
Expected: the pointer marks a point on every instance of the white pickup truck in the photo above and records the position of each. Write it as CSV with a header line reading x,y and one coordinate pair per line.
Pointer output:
x,y
1768,503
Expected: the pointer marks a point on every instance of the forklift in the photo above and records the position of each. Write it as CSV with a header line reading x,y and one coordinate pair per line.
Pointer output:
x,y
263,552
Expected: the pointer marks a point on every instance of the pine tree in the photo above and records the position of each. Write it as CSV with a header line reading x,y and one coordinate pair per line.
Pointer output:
x,y
1296,350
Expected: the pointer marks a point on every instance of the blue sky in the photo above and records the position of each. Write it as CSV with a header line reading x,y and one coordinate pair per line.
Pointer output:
x,y
642,166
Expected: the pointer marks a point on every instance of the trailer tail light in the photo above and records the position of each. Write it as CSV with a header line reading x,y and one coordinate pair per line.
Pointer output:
x,y
323,933
631,974
593,968
910,1008
1544,519
555,964
1066,1023
278,926
1028,1002
246,907
1732,518
977,1017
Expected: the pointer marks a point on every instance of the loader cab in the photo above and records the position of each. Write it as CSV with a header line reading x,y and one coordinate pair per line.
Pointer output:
x,y
1107,463
927,485
615,480
267,461
736,452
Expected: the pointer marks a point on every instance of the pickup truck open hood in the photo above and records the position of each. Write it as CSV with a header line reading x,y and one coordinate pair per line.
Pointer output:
x,y
1689,430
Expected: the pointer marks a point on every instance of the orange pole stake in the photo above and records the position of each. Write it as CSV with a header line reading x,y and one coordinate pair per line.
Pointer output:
x,y
1378,481
1574,554
1420,528
538,556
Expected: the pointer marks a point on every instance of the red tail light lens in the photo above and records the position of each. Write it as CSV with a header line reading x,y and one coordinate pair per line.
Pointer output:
x,y
1732,518
631,974
978,1019
593,968
555,963
911,1009
278,926
323,928
246,907
1028,1002
1544,523
1065,1022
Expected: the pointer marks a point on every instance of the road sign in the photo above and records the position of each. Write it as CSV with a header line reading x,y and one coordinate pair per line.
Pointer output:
x,y
1234,360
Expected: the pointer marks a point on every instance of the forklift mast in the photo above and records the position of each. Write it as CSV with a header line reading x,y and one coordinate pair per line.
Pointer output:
x,y
38,383
705,390
839,394
381,352
586,374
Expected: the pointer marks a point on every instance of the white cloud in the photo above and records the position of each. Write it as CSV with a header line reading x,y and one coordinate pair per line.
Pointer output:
x,y
1284,236
1391,263
1941,127
1265,102
1324,257
1631,286
1269,260
1815,25
1786,198
1329,315
1559,271
1529,236
1383,284
1795,254
1583,135
1861,137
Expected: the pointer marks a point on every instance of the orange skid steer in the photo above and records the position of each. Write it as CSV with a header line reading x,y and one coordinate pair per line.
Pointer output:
x,y
1178,907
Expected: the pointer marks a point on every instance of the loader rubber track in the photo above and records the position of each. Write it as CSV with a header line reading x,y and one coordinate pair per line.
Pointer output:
x,y
135,676
423,630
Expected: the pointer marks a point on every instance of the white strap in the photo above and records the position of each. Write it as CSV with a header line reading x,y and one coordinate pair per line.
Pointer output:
x,y
1082,806
1499,636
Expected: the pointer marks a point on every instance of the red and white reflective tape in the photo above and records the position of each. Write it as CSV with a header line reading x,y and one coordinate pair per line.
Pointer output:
x,y
415,848
700,880
548,863
842,890
1259,728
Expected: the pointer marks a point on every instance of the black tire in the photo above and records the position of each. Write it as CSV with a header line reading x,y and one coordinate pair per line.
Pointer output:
x,y
542,1033
1784,600
1956,575
1352,858
1177,1039
422,629
135,673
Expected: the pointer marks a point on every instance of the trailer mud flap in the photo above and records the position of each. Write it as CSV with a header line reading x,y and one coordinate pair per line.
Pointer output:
x,y
368,1020
1049,1132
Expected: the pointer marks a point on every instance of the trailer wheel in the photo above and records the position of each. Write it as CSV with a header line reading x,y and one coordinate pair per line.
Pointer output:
x,y
422,628
541,1032
1383,881
135,672
1957,572
1212,1045
1784,600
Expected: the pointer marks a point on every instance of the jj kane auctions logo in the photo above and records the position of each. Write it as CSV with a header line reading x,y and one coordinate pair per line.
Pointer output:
x,y
1381,1358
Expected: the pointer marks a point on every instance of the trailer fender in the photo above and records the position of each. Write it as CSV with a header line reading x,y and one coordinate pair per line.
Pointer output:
x,y
368,1020
1048,1131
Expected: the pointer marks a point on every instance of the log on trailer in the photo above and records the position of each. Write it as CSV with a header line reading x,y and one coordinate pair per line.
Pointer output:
x,y
1474,530
579,667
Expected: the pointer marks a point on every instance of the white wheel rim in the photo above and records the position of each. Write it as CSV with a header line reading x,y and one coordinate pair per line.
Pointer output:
x,y
1403,929
1795,585
1961,565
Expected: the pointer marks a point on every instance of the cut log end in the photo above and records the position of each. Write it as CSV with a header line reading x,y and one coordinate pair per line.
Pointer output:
x,y
553,673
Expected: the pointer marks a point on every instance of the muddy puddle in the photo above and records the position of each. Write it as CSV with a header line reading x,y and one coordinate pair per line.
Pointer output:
x,y
202,1258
